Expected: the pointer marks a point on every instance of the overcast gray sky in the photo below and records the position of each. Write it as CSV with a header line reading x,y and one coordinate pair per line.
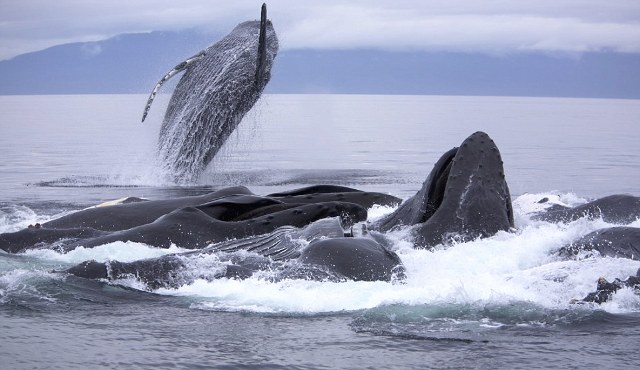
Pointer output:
x,y
492,26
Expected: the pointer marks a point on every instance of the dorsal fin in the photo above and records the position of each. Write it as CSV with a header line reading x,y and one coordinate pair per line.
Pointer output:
x,y
262,44
177,69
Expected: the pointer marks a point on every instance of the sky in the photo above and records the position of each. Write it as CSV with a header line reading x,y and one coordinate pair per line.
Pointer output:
x,y
487,26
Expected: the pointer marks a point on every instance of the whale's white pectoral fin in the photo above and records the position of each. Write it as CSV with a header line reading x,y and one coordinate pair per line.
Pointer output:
x,y
177,69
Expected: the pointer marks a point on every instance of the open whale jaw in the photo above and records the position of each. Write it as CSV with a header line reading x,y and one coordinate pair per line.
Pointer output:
x,y
464,197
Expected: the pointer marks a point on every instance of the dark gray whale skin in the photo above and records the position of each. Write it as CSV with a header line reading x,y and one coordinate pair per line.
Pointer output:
x,y
173,270
334,259
617,208
195,228
93,225
100,221
38,237
219,86
126,216
605,289
620,241
170,271
464,197
331,193
358,259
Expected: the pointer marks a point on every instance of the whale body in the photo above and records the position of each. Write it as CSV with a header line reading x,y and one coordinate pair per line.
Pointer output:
x,y
219,86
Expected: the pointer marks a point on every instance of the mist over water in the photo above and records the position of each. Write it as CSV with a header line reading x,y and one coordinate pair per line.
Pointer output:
x,y
484,298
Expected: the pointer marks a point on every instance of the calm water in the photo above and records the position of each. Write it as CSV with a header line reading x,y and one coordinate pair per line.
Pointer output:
x,y
501,302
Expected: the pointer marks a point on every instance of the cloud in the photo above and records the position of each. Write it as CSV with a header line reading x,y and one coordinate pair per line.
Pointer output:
x,y
494,33
91,49
492,26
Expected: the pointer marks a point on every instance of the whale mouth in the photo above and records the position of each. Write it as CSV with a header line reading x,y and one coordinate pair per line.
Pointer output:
x,y
438,184
262,45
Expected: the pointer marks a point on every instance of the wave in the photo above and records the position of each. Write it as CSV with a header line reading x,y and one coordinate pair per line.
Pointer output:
x,y
157,178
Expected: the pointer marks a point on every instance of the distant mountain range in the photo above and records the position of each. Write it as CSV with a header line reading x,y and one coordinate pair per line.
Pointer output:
x,y
133,63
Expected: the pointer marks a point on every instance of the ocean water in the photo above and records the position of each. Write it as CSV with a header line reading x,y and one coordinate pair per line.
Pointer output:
x,y
501,302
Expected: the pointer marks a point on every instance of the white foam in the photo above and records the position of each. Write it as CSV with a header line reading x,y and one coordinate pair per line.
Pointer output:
x,y
519,266
378,211
146,172
18,217
300,296
20,283
530,202
509,267
501,270
119,251
625,300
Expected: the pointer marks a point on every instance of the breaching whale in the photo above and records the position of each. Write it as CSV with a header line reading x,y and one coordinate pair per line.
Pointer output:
x,y
464,197
219,86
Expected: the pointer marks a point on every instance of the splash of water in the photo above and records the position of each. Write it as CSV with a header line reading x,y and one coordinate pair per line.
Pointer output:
x,y
511,268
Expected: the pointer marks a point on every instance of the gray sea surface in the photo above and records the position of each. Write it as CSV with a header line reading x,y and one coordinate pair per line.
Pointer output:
x,y
503,302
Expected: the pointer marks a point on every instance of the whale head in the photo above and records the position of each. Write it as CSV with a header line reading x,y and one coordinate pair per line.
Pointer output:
x,y
464,197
